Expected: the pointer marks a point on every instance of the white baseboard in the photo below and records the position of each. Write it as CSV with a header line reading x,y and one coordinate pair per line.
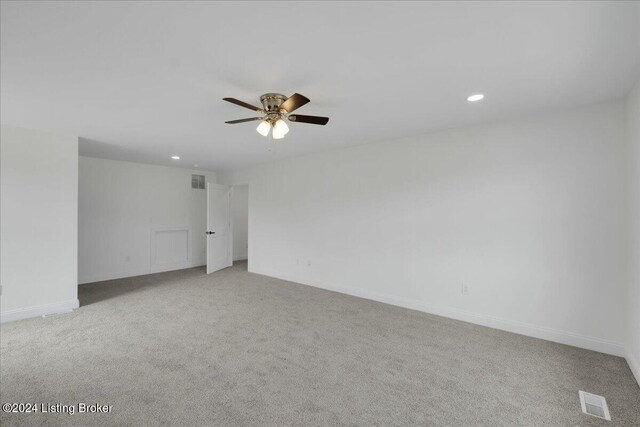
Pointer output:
x,y
634,363
545,333
39,310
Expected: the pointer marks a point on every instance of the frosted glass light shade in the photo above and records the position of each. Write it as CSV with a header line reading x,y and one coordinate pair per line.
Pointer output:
x,y
280,128
263,128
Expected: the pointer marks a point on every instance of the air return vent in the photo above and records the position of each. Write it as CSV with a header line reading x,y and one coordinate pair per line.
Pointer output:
x,y
197,181
595,405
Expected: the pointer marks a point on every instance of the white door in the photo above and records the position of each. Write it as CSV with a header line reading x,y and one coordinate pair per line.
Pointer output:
x,y
218,227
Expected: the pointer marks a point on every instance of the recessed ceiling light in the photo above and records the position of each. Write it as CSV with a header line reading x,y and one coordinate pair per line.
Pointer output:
x,y
476,97
175,157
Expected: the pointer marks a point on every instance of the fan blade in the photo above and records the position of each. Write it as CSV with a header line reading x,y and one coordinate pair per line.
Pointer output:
x,y
233,122
314,120
296,101
242,104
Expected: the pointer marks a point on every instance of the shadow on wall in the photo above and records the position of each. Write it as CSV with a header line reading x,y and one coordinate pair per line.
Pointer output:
x,y
104,150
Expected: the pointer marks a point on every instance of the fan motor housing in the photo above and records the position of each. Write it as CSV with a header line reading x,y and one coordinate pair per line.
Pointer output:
x,y
271,101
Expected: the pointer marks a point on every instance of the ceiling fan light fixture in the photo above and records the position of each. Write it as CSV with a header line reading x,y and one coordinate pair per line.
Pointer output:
x,y
276,134
280,127
276,108
263,128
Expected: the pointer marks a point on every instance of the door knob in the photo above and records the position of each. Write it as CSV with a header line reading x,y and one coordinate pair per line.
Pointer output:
x,y
211,232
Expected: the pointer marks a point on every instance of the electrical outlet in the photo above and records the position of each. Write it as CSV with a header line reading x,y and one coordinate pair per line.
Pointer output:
x,y
127,258
465,289
308,263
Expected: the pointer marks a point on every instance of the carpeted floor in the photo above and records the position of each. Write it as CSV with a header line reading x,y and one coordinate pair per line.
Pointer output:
x,y
234,348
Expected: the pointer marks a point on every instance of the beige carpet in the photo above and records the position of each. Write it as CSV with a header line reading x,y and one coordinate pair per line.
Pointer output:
x,y
234,348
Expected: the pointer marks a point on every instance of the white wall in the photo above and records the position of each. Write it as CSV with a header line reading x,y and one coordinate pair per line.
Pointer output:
x,y
131,218
633,308
240,218
38,223
529,214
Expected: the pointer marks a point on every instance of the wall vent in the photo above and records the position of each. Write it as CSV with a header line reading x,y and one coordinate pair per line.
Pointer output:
x,y
197,181
595,405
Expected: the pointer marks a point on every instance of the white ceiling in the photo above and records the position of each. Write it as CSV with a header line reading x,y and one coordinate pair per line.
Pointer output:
x,y
143,81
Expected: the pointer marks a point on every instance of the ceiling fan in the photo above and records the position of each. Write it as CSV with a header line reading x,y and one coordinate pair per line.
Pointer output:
x,y
275,109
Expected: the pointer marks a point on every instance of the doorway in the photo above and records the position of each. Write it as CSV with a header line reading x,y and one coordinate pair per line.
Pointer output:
x,y
240,224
